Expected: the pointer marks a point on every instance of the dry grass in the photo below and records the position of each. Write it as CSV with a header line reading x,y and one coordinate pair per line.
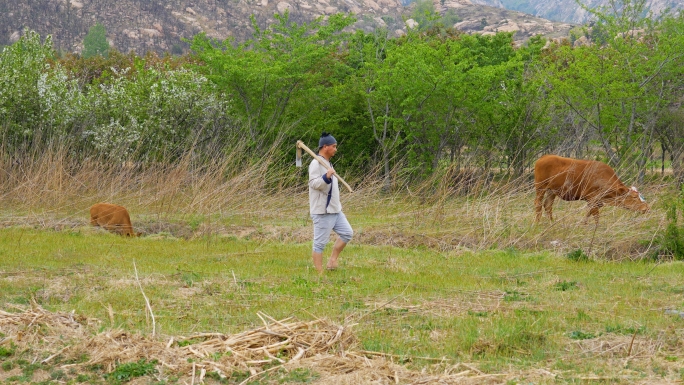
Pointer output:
x,y
331,350
510,307
71,342
265,199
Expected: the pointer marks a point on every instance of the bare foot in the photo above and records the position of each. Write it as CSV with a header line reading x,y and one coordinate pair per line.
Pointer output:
x,y
332,265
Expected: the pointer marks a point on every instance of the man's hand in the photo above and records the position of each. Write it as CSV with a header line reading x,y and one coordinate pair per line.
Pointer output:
x,y
329,173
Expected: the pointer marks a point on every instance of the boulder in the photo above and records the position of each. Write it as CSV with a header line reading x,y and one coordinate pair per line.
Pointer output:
x,y
372,4
411,23
581,41
455,4
283,6
468,25
14,37
130,34
508,27
150,32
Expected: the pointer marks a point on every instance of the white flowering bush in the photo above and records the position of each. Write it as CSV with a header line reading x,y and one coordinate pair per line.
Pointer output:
x,y
35,96
160,110
21,66
61,102
114,139
146,112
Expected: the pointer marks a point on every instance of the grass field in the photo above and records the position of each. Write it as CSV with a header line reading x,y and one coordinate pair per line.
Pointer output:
x,y
439,285
510,313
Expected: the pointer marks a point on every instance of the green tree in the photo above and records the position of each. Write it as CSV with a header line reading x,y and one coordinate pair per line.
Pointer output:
x,y
621,83
519,107
383,92
280,77
444,72
426,16
95,42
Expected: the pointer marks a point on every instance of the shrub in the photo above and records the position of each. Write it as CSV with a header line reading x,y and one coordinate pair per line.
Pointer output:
x,y
578,256
565,285
580,335
128,371
671,243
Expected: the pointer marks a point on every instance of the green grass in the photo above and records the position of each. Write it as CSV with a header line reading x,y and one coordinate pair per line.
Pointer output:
x,y
126,372
499,309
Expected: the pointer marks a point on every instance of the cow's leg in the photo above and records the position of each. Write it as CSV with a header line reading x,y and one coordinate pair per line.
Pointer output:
x,y
538,204
593,210
548,204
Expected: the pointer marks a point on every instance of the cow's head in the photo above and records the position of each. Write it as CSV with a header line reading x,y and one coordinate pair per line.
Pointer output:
x,y
633,200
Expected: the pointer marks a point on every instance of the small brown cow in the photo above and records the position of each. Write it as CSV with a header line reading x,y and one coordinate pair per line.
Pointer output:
x,y
588,180
113,218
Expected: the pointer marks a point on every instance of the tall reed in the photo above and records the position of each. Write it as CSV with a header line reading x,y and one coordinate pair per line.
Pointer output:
x,y
464,208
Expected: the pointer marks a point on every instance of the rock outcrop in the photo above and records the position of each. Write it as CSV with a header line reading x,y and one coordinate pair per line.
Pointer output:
x,y
568,10
164,25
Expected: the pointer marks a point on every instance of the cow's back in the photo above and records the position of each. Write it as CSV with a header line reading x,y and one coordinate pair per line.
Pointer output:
x,y
573,179
111,217
552,171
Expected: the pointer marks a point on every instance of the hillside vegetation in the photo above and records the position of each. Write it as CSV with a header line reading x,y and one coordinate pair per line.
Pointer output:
x,y
434,101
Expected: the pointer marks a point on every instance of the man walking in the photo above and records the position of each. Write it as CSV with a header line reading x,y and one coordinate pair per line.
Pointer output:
x,y
325,207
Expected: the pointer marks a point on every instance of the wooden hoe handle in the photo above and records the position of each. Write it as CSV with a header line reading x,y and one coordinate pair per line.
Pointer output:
x,y
303,146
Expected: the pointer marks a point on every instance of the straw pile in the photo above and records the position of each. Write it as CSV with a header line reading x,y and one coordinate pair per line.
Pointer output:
x,y
277,342
70,342
64,339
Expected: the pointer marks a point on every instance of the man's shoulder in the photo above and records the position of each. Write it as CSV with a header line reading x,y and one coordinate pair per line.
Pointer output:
x,y
316,168
315,162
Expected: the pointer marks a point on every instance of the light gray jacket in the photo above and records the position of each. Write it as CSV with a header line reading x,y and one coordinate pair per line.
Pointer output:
x,y
324,194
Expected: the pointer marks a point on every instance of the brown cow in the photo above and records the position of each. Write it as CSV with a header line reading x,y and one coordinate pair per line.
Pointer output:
x,y
113,218
588,180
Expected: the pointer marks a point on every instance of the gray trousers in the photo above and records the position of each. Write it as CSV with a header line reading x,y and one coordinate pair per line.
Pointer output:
x,y
323,223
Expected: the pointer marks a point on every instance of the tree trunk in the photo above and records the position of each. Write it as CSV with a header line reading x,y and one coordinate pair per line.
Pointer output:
x,y
387,181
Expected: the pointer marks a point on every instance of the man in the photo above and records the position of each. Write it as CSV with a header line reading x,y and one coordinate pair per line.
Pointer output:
x,y
325,207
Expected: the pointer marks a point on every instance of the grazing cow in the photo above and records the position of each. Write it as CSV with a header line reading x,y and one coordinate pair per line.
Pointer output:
x,y
588,180
113,218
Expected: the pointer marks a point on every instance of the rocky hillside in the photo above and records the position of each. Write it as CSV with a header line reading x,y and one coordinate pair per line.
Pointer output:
x,y
484,19
568,10
161,25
